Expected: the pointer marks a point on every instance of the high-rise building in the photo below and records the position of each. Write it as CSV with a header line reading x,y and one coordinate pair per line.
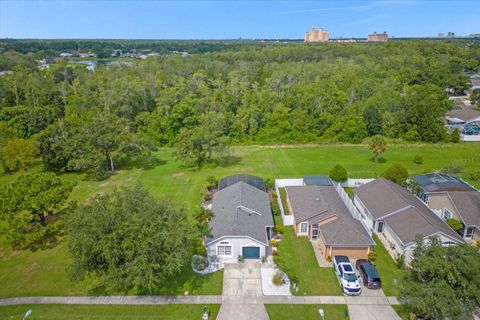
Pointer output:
x,y
316,35
376,37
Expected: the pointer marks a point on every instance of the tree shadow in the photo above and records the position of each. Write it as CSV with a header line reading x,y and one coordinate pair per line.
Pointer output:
x,y
146,163
379,160
228,161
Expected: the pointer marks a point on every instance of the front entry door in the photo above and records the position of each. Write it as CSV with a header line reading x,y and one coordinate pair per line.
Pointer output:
x,y
315,232
379,226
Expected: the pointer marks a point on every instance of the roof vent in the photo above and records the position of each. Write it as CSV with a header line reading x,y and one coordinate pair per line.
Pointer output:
x,y
317,199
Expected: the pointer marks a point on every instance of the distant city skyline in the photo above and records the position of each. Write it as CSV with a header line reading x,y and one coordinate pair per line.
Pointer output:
x,y
234,19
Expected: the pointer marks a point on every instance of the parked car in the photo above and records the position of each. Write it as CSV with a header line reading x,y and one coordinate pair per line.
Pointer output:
x,y
347,276
369,274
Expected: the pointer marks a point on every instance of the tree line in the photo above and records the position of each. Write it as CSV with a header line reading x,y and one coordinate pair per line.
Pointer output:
x,y
283,93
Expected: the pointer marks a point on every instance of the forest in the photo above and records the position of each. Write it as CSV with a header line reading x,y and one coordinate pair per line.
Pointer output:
x,y
82,121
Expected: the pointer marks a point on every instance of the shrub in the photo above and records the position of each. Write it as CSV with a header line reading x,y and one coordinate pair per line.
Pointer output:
x,y
400,261
211,183
241,258
396,173
199,263
276,259
452,168
274,243
198,246
418,159
277,278
274,195
275,208
269,183
206,196
274,252
453,136
478,244
329,258
279,228
455,224
264,259
372,255
338,174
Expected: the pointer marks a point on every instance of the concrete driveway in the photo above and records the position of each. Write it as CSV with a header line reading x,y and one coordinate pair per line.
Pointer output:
x,y
372,312
242,292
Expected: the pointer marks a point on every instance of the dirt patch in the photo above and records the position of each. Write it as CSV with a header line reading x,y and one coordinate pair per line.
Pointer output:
x,y
178,174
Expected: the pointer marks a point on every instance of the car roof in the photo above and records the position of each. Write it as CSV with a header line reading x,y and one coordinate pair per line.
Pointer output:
x,y
370,270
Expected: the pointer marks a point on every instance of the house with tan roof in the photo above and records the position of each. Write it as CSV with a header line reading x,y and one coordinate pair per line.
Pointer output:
x,y
320,214
397,216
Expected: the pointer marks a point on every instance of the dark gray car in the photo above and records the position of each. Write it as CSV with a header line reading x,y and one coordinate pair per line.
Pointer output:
x,y
369,274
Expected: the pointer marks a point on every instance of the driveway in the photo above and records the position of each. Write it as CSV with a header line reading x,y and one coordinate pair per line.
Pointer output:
x,y
242,292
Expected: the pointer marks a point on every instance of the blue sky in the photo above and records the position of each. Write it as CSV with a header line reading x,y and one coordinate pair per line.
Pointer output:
x,y
233,19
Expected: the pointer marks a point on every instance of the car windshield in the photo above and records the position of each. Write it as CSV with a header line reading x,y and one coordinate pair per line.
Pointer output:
x,y
350,277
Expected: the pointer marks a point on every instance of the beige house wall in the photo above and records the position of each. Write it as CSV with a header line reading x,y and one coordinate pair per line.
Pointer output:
x,y
351,253
440,201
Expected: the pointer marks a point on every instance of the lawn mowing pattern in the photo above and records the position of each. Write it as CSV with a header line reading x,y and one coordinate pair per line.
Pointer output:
x,y
306,311
388,270
298,260
43,272
105,312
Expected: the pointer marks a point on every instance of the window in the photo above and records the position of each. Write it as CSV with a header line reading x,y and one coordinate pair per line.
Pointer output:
x,y
224,250
469,232
447,214
303,227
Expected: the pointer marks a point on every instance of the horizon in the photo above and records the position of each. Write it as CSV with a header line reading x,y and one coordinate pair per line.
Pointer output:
x,y
211,20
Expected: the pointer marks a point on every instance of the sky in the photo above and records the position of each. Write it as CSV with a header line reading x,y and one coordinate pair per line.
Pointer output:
x,y
118,19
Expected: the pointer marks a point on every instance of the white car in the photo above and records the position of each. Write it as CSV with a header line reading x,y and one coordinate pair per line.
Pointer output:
x,y
347,276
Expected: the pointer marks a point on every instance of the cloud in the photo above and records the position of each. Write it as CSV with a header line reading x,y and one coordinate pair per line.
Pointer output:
x,y
374,4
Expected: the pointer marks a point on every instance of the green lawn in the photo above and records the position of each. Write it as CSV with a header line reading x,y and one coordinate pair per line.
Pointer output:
x,y
389,273
298,260
306,311
402,311
43,271
283,197
93,312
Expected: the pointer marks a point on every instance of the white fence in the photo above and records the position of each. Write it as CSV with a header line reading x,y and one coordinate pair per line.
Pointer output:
x,y
351,207
282,183
470,138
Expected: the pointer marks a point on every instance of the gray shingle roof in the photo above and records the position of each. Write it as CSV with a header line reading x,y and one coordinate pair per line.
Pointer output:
x,y
241,210
436,182
468,205
316,203
383,197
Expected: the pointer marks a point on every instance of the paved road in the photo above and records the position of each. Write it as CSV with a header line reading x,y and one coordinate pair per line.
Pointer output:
x,y
242,293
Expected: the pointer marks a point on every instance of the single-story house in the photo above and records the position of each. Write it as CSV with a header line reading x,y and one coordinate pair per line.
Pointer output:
x,y
463,115
320,214
243,223
398,216
460,205
438,182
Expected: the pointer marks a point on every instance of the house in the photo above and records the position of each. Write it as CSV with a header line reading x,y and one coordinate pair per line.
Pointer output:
x,y
460,205
320,214
397,216
242,224
438,182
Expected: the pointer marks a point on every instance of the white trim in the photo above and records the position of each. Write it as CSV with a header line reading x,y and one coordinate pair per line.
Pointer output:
x,y
235,237
224,244
302,224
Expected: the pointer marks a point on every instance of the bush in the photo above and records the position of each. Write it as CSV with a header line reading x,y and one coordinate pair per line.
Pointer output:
x,y
211,183
329,258
338,174
275,208
241,258
478,244
279,229
264,259
396,173
206,196
276,259
400,261
277,278
453,136
269,183
274,252
372,255
455,224
274,243
418,159
452,168
199,263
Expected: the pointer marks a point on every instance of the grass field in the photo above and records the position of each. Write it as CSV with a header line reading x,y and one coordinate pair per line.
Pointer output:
x,y
402,311
105,312
306,311
390,274
43,271
298,260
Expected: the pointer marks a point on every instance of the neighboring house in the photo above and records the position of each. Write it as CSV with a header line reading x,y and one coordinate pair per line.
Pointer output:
x,y
462,116
320,214
242,224
398,217
438,182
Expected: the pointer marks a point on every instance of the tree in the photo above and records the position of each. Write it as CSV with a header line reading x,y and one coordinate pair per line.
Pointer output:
x,y
377,145
455,224
396,173
338,174
197,145
443,282
18,154
129,239
26,203
348,128
475,97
